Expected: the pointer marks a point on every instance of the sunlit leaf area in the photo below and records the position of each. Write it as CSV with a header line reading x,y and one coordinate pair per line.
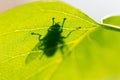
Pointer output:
x,y
90,52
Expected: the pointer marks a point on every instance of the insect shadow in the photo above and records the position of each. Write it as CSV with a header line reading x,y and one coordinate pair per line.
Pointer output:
x,y
49,43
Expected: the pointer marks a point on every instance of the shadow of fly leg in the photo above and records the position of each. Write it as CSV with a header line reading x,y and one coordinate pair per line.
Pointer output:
x,y
39,35
64,50
71,32
64,45
61,49
35,52
40,44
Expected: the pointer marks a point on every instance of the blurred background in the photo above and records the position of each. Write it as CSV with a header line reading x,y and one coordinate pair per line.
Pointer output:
x,y
96,9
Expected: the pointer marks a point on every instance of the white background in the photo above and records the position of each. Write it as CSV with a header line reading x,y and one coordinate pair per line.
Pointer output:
x,y
96,9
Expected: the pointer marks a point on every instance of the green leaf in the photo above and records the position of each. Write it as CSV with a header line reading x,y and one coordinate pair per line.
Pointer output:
x,y
111,23
94,51
96,57
113,20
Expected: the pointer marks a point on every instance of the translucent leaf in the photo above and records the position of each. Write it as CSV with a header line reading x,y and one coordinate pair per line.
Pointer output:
x,y
96,57
88,55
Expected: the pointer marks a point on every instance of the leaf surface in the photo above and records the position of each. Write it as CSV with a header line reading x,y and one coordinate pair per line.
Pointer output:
x,y
93,56
111,23
113,20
